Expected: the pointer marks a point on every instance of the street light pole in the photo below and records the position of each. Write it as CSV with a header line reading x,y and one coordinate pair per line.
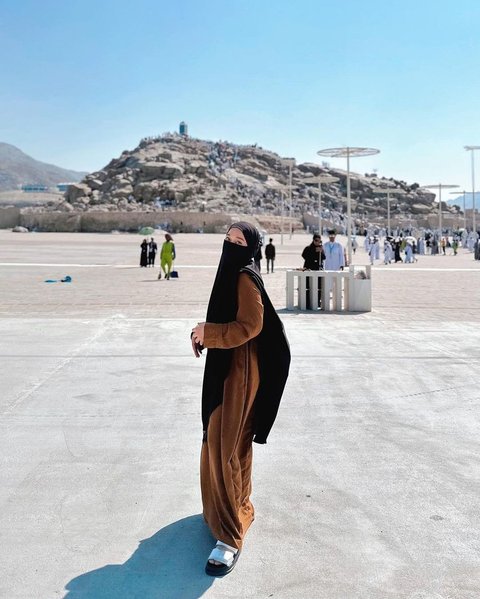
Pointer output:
x,y
349,213
290,162
281,219
440,186
320,209
474,221
341,153
388,213
440,209
320,179
290,195
388,192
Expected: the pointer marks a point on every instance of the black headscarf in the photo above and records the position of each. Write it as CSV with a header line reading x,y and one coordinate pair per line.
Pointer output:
x,y
222,306
273,349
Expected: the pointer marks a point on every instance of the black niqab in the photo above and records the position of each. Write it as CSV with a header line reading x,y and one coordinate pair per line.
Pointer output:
x,y
222,306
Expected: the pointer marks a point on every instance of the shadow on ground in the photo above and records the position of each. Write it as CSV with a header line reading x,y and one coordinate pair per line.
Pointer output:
x,y
168,565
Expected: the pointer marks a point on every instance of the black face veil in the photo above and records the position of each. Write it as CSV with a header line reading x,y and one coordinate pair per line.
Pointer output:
x,y
222,306
273,349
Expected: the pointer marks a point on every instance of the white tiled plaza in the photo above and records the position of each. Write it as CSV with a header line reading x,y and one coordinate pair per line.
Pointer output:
x,y
367,489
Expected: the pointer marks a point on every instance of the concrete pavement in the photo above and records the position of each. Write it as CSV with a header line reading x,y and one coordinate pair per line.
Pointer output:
x,y
367,489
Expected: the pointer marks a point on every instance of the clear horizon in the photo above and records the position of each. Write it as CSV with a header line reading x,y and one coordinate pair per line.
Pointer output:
x,y
85,81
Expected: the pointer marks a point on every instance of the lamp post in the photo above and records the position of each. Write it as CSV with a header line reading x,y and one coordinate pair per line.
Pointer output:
x,y
321,179
348,152
472,150
281,218
279,189
464,213
440,186
388,191
290,197
290,163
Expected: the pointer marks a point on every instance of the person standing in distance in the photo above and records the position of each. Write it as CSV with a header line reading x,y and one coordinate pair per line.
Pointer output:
x,y
152,252
270,255
334,254
144,253
313,256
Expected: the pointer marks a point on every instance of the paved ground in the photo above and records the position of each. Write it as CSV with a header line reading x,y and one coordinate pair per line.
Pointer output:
x,y
367,489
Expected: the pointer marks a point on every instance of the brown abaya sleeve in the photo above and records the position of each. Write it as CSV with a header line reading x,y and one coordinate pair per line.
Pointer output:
x,y
249,320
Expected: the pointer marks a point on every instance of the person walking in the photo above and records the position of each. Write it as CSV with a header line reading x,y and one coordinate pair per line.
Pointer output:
x,y
409,258
396,250
144,253
476,250
246,370
270,255
152,252
354,245
387,251
443,245
167,256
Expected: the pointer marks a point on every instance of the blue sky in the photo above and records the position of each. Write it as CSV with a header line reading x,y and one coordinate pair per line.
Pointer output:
x,y
84,80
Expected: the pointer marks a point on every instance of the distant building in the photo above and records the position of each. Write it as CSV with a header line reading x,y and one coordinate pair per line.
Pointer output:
x,y
34,187
63,186
183,130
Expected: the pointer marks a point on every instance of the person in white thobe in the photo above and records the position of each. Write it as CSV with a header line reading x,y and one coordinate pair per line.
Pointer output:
x,y
471,241
408,253
334,255
387,252
421,246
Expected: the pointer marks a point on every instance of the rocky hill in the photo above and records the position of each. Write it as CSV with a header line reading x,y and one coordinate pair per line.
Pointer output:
x,y
16,168
183,173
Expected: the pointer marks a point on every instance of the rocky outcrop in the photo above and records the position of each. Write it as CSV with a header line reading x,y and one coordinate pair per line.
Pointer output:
x,y
173,172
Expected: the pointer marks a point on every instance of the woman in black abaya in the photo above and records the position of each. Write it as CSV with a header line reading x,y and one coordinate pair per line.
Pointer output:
x,y
144,253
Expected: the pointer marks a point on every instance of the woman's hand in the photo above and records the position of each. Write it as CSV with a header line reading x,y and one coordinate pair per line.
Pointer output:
x,y
196,348
196,337
198,333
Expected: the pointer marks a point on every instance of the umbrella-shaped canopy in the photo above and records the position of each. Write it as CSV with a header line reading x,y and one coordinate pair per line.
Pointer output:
x,y
146,231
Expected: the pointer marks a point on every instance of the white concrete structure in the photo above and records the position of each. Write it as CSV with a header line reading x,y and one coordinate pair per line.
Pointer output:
x,y
338,290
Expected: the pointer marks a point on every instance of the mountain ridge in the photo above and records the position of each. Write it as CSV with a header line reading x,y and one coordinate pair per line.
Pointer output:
x,y
18,168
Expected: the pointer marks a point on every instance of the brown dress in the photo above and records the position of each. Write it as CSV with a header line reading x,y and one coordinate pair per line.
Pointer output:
x,y
226,459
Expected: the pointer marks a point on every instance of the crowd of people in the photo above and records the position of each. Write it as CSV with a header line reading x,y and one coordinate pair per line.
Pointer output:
x,y
403,247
